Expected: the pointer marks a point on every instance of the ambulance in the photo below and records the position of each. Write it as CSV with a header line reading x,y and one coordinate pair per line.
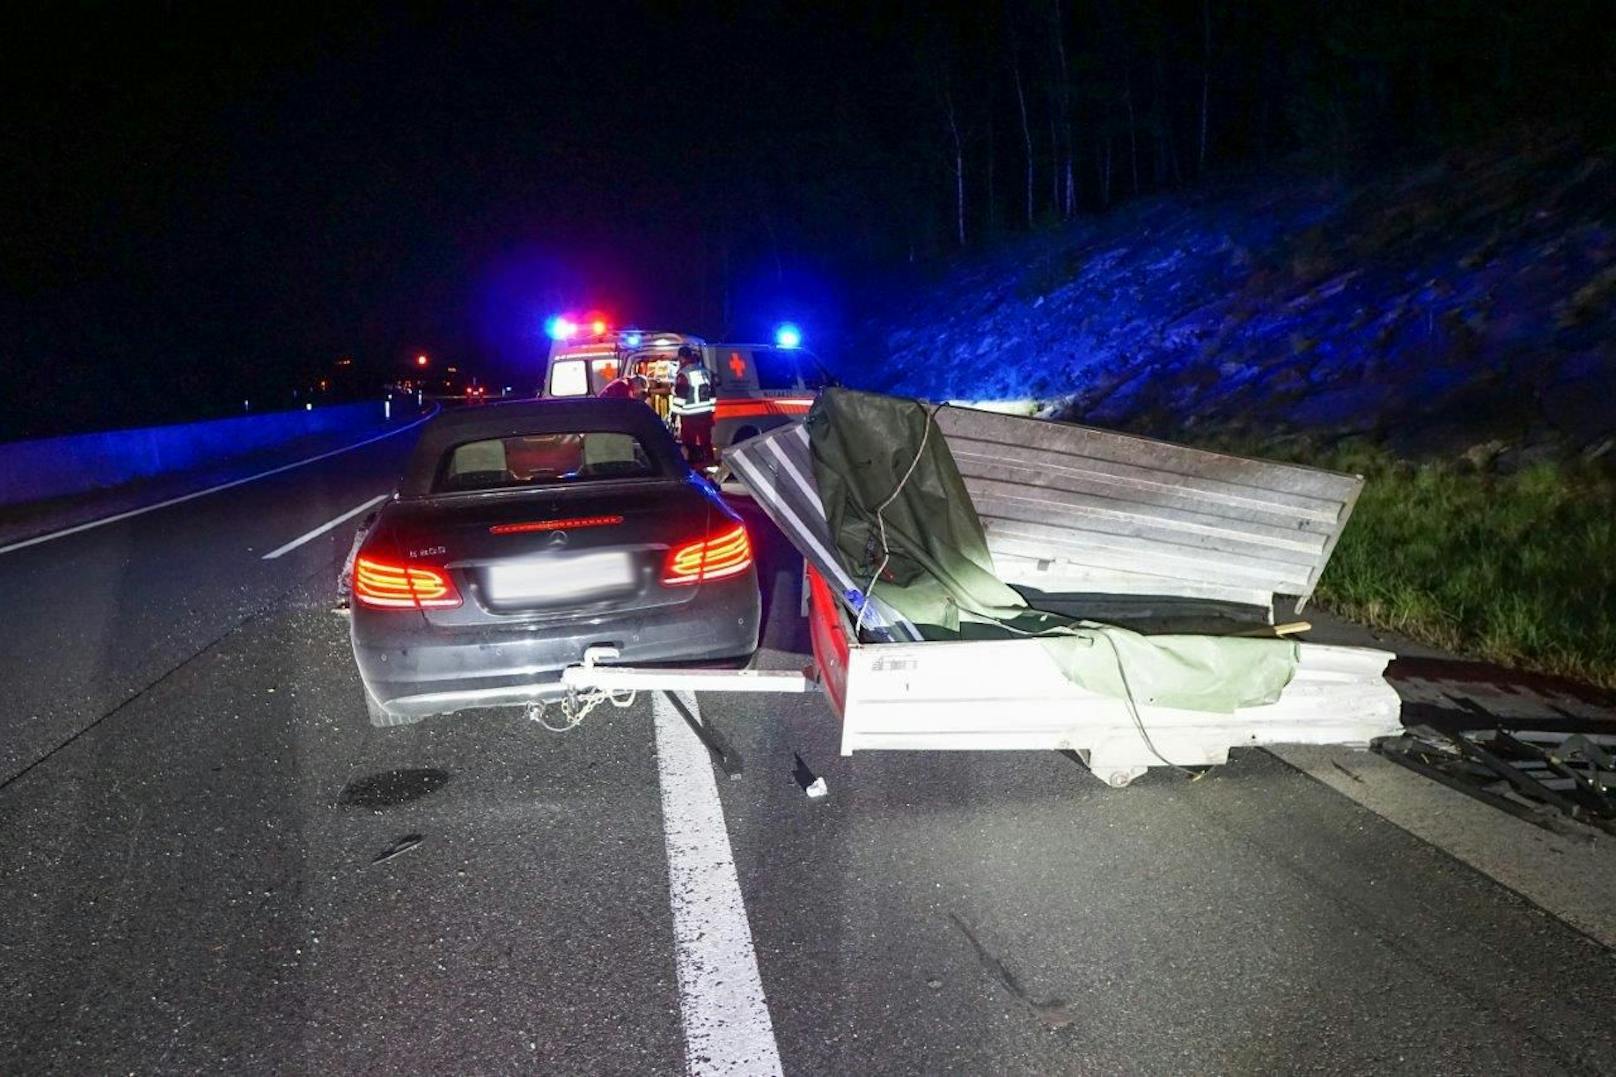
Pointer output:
x,y
758,386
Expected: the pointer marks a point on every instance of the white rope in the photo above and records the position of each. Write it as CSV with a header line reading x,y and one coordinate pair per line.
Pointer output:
x,y
1101,630
881,521
1133,707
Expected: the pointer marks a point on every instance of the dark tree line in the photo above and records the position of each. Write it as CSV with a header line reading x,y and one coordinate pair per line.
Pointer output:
x,y
904,131
200,206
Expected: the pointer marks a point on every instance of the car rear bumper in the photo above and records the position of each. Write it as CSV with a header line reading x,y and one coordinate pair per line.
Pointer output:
x,y
413,670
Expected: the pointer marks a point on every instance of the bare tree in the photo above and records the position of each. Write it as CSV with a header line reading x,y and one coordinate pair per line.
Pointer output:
x,y
1069,199
1162,122
959,167
1102,157
1206,77
989,188
1054,161
1026,130
1133,129
1067,185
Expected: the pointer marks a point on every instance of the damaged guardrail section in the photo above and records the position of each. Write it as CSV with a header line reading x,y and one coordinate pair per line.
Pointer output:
x,y
1007,694
1073,508
1079,519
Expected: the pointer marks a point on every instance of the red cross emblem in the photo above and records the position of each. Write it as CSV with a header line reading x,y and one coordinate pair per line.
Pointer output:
x,y
737,364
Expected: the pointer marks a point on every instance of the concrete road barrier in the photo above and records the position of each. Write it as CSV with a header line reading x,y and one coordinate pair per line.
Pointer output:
x,y
61,466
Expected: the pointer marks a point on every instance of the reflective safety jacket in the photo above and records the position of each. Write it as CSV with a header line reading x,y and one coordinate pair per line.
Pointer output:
x,y
693,392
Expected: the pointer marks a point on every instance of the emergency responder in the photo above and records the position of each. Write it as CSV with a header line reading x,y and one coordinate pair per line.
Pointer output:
x,y
627,388
658,396
694,406
640,386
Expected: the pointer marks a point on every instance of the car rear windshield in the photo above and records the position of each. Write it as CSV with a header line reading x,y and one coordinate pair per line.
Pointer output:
x,y
528,460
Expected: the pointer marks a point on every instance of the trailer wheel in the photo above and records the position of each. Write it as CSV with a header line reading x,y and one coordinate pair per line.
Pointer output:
x,y
1121,779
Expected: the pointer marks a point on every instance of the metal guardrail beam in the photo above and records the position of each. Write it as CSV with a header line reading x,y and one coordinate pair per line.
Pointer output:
x,y
1074,509
1119,513
635,679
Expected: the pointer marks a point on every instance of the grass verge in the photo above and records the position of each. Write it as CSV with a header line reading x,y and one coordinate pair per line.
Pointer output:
x,y
1518,569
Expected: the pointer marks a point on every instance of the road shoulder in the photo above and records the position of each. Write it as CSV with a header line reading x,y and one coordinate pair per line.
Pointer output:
x,y
1570,875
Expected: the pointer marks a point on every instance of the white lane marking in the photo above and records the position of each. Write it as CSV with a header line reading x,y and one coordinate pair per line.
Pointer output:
x,y
36,540
721,1005
322,529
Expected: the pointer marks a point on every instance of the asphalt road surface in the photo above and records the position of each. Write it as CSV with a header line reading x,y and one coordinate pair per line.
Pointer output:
x,y
210,862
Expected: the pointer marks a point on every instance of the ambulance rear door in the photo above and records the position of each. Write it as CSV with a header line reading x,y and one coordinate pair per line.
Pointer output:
x,y
582,372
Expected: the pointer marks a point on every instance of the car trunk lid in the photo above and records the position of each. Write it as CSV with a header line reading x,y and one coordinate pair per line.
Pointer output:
x,y
532,556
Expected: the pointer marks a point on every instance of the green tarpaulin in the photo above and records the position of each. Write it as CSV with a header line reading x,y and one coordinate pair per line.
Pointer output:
x,y
871,451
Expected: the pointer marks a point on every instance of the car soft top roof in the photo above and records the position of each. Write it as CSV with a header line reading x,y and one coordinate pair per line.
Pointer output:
x,y
533,417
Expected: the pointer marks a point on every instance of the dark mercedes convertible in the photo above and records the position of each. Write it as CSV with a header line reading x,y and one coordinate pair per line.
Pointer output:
x,y
524,534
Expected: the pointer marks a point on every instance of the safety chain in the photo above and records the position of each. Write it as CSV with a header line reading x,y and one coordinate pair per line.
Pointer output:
x,y
576,706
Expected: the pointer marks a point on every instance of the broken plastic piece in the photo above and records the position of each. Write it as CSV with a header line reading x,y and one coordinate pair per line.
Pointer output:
x,y
398,848
807,780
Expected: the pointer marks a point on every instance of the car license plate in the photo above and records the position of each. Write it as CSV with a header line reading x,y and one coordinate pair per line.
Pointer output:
x,y
558,581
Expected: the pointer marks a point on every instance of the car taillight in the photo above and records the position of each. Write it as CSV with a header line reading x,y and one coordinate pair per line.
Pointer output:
x,y
570,524
728,553
385,586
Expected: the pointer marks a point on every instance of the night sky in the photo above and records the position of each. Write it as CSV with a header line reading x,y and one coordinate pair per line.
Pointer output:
x,y
205,203
216,197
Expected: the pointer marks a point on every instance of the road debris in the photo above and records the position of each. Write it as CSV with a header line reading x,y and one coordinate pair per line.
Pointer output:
x,y
810,783
1542,776
398,848
1055,1013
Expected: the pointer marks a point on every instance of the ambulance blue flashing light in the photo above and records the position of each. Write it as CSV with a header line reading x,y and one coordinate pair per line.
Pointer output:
x,y
788,336
631,340
560,328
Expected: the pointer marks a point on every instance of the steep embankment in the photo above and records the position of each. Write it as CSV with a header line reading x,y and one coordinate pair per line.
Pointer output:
x,y
1449,332
1470,300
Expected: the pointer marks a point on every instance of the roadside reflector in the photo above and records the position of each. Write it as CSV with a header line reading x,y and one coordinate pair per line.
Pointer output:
x,y
555,525
726,554
402,587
